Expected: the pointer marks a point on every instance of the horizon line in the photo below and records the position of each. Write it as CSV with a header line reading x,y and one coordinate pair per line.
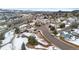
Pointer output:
x,y
43,9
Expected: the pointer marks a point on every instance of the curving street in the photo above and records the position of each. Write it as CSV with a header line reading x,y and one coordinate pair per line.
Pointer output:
x,y
57,42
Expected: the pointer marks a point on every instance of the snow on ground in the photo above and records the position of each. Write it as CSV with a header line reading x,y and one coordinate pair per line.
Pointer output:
x,y
8,36
19,40
47,48
41,40
45,43
7,47
74,41
39,46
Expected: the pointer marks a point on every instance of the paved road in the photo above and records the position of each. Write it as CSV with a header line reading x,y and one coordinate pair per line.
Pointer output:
x,y
59,43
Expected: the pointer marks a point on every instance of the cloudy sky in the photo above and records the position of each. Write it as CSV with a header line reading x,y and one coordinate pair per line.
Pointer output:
x,y
40,5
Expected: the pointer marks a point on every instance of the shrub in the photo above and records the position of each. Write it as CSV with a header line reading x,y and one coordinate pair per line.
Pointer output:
x,y
32,40
62,25
17,30
61,37
55,32
1,36
74,25
49,26
52,27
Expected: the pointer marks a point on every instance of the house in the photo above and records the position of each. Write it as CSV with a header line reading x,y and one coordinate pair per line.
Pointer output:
x,y
71,19
66,35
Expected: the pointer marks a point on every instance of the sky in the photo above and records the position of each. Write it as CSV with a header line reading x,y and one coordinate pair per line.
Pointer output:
x,y
40,5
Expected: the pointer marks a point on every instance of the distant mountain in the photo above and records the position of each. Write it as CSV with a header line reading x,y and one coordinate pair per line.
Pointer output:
x,y
27,11
75,11
5,10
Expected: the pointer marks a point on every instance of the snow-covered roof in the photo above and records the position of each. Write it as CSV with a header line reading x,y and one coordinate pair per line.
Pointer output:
x,y
76,30
23,25
8,36
28,34
17,42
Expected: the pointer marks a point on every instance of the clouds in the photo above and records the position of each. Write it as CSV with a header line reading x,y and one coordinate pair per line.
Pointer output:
x,y
32,4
